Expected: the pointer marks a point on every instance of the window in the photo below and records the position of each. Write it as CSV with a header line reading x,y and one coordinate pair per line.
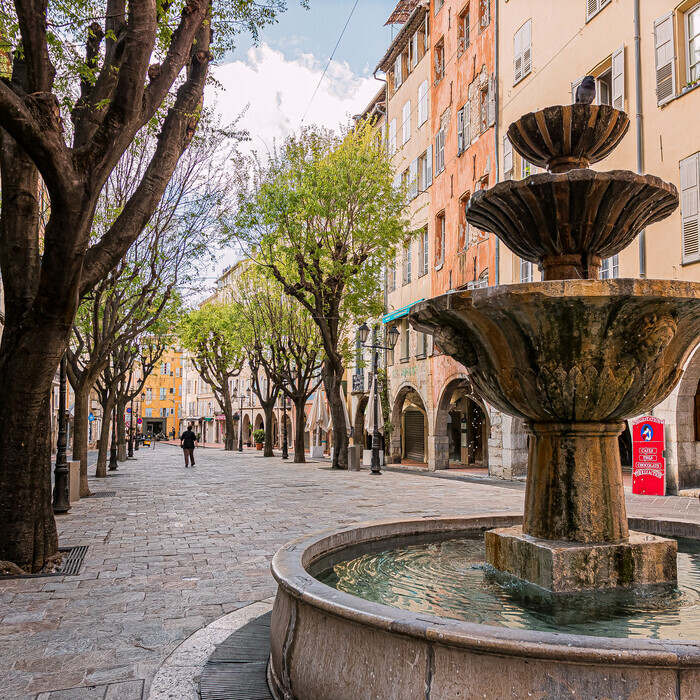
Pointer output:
x,y
440,240
593,7
163,412
526,271
398,72
392,137
692,24
425,170
406,122
423,251
463,31
149,394
438,5
405,341
413,179
439,60
484,13
463,240
162,393
522,52
526,168
610,268
690,209
149,413
439,151
407,262
665,58
463,128
162,367
423,103
391,276
487,106
421,345
508,166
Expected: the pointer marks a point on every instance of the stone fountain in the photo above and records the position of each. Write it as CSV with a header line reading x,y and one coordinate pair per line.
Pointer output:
x,y
572,356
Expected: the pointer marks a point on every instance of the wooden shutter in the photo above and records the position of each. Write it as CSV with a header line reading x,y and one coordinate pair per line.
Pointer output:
x,y
690,207
527,47
592,8
423,102
467,124
460,130
507,156
665,58
413,176
406,127
518,56
414,440
398,76
492,101
618,78
429,167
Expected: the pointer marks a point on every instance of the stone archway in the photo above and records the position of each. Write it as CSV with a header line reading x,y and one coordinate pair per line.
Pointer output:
x,y
358,431
687,425
259,422
406,414
462,426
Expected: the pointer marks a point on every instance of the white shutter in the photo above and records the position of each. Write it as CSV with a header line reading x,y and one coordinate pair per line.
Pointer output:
x,y
574,87
423,103
414,50
527,47
398,77
592,8
507,156
429,168
392,137
460,130
517,57
665,58
618,78
690,207
492,101
406,128
467,124
413,178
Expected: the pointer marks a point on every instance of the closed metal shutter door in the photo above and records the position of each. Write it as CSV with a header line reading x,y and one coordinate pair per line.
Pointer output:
x,y
415,436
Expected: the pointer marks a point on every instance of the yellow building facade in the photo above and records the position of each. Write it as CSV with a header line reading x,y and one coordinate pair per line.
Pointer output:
x,y
161,399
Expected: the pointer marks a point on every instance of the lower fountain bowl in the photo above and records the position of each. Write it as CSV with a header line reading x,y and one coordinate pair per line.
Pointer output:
x,y
326,643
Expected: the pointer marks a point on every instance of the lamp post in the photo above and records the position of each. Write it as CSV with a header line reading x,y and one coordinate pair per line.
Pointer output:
x,y
61,499
131,430
393,337
113,447
240,425
285,443
136,428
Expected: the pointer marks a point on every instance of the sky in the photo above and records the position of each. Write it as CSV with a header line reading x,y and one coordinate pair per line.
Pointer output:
x,y
273,83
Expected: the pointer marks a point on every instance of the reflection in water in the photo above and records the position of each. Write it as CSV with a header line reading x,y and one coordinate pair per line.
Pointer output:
x,y
449,579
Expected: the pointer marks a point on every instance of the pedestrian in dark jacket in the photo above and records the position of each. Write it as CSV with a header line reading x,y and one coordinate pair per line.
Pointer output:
x,y
188,441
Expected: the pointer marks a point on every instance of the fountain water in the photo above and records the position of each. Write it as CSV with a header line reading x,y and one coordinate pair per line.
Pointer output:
x,y
572,356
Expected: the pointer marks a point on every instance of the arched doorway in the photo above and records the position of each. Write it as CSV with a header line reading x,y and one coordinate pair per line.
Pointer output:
x,y
359,436
687,428
409,439
461,428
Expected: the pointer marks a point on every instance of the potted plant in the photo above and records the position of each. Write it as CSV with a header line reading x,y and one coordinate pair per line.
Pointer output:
x,y
259,437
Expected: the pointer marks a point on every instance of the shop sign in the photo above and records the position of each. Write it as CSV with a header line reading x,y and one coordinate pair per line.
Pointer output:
x,y
648,462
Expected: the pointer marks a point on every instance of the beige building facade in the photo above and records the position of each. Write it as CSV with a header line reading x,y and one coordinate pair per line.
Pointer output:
x,y
645,57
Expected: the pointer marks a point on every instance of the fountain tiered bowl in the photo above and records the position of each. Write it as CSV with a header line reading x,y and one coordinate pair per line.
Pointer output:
x,y
573,357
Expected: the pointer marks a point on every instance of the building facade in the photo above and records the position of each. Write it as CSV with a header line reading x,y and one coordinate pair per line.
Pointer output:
x,y
161,399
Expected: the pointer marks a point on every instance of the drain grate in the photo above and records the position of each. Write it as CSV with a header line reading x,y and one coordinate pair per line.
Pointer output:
x,y
103,494
73,561
237,670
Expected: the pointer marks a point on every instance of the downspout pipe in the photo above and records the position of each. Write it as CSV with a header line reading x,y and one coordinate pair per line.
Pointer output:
x,y
497,254
640,140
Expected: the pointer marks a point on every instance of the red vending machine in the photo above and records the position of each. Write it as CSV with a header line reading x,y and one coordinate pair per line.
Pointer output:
x,y
648,463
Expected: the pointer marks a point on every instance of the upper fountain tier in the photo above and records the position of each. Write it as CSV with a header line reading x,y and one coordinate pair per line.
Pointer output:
x,y
571,219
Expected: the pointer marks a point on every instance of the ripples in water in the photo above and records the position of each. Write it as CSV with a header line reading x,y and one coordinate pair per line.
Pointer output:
x,y
449,579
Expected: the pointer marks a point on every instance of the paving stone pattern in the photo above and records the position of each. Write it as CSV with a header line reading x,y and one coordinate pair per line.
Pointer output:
x,y
178,548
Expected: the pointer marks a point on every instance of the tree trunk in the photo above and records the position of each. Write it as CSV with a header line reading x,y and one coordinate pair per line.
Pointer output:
x,y
80,434
231,441
121,432
332,381
300,424
101,468
269,411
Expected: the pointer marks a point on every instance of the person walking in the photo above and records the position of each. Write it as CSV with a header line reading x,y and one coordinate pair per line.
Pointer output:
x,y
188,441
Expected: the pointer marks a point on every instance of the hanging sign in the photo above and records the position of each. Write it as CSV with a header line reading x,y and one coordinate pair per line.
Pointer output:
x,y
648,463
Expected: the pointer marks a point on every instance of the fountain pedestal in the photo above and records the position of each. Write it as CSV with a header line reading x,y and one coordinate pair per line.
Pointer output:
x,y
565,566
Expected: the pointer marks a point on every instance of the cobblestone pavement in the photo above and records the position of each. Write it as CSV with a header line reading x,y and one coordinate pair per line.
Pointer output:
x,y
178,548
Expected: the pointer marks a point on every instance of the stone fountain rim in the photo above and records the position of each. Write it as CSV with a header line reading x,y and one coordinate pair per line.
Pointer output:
x,y
290,569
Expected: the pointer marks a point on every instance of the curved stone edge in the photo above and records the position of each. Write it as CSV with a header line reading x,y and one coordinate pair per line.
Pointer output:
x,y
177,675
289,567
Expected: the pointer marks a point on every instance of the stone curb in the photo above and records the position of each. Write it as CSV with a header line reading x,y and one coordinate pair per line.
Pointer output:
x,y
178,676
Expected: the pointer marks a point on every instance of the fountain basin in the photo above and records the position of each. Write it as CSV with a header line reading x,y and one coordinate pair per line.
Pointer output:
x,y
567,223
329,644
563,137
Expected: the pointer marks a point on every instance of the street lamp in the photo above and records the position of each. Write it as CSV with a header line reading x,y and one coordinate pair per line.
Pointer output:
x,y
285,443
131,430
393,337
113,447
61,499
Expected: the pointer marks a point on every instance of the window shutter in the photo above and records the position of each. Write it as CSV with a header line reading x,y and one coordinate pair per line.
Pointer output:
x,y
527,47
492,101
423,102
665,55
429,168
507,156
690,209
425,251
517,56
398,77
467,124
574,87
460,130
413,175
592,7
406,128
618,78
414,48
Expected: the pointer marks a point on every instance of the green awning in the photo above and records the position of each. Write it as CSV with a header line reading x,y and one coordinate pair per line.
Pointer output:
x,y
400,312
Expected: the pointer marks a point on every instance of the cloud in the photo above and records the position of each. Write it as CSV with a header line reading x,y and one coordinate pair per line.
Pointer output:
x,y
277,92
